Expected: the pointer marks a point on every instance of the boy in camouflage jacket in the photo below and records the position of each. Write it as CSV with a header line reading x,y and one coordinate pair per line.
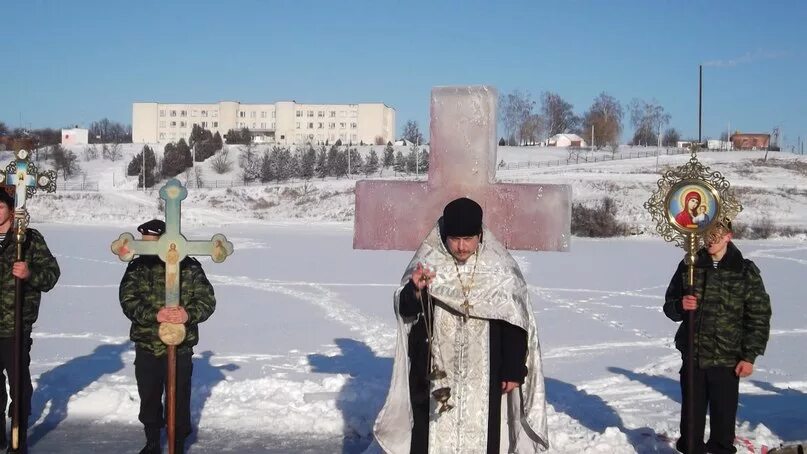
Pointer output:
x,y
39,272
732,324
142,298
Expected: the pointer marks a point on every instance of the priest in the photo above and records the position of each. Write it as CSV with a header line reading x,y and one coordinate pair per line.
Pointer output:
x,y
467,374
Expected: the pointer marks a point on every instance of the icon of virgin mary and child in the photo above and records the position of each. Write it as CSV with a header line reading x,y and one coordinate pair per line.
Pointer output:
x,y
694,215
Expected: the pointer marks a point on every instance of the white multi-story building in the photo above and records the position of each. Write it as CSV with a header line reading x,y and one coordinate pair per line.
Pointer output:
x,y
284,122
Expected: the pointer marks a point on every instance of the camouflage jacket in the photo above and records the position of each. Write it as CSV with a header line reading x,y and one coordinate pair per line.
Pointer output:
x,y
732,321
44,274
142,294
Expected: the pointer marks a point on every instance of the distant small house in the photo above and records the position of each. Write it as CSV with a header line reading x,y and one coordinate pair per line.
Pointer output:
x,y
743,141
400,142
75,136
719,145
683,144
566,140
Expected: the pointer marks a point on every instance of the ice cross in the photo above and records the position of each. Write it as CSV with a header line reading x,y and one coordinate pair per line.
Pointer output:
x,y
172,246
462,162
25,177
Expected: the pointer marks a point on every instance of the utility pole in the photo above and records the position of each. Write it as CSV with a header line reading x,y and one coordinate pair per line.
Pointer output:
x,y
658,138
700,102
417,156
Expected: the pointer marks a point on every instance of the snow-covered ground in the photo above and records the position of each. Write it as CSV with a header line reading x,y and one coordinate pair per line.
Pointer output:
x,y
297,356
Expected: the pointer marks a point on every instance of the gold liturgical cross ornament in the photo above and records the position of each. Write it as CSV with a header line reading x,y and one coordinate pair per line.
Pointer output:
x,y
466,289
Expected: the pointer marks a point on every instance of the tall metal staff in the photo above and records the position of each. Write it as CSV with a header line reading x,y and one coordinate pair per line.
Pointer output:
x,y
26,179
690,202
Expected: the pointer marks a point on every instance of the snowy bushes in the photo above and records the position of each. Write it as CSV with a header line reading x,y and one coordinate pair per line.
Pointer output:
x,y
764,228
221,162
600,221
91,153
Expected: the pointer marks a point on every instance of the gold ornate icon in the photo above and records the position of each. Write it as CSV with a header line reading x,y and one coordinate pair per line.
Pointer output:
x,y
690,201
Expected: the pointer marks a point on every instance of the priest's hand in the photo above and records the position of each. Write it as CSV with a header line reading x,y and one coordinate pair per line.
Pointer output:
x,y
422,276
20,270
508,386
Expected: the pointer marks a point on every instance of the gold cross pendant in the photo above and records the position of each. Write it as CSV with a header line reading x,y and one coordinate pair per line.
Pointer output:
x,y
466,306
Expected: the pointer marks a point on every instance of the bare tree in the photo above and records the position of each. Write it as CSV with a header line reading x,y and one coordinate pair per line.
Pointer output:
x,y
91,153
605,118
647,118
671,137
515,113
107,131
65,161
111,151
557,114
411,132
532,129
250,162
197,175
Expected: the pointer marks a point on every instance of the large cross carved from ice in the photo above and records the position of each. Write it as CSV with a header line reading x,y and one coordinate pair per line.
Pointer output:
x,y
462,163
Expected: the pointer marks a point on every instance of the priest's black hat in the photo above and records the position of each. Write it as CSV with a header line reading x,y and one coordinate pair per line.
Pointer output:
x,y
462,217
153,227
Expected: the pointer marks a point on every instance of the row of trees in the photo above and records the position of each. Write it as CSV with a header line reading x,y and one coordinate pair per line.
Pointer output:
x,y
102,131
177,157
108,131
527,122
307,162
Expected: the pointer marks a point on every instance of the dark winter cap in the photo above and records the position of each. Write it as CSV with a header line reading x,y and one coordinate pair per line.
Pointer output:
x,y
152,227
6,198
462,217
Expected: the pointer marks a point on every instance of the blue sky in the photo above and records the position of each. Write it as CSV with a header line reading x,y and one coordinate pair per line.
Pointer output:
x,y
74,62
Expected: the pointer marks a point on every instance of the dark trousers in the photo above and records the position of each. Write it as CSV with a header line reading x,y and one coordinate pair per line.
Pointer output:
x,y
6,365
718,389
150,372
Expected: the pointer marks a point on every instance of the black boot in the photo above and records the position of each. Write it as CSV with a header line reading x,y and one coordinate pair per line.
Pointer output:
x,y
151,448
152,442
